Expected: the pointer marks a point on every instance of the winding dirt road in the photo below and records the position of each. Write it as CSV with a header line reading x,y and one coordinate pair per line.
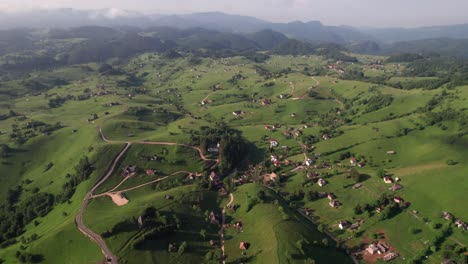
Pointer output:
x,y
110,258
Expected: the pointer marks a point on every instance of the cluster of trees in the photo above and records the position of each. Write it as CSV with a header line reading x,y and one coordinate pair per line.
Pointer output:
x,y
59,100
377,102
15,216
232,146
5,150
26,257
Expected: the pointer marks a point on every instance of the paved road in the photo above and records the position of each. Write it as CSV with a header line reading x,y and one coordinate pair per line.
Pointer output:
x,y
110,258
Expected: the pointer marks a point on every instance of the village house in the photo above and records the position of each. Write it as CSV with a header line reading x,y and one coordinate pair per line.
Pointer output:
x,y
361,164
446,215
213,219
357,185
387,179
325,137
321,182
390,256
265,102
379,209
309,162
293,115
461,224
237,113
395,187
150,172
129,171
312,175
273,143
331,196
398,199
344,224
243,245
334,203
353,161
372,249
391,152
382,247
355,226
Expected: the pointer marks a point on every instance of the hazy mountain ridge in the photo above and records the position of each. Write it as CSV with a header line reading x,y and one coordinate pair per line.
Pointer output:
x,y
311,31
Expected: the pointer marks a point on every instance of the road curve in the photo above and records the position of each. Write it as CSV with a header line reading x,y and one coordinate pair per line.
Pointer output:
x,y
202,156
110,258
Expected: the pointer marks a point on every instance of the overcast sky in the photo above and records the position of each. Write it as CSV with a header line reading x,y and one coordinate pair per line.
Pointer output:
x,y
367,13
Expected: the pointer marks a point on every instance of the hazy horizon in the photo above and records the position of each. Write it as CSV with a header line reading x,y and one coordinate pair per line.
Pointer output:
x,y
357,13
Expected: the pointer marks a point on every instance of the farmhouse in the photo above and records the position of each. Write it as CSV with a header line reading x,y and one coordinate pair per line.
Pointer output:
x,y
243,245
273,143
372,249
395,187
446,215
309,162
398,199
213,219
344,224
354,226
460,224
265,102
390,256
129,171
334,203
321,182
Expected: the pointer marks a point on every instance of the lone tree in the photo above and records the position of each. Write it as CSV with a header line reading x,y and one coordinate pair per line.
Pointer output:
x,y
381,173
203,233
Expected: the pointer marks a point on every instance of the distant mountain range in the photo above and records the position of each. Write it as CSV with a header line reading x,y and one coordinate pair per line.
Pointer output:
x,y
446,40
